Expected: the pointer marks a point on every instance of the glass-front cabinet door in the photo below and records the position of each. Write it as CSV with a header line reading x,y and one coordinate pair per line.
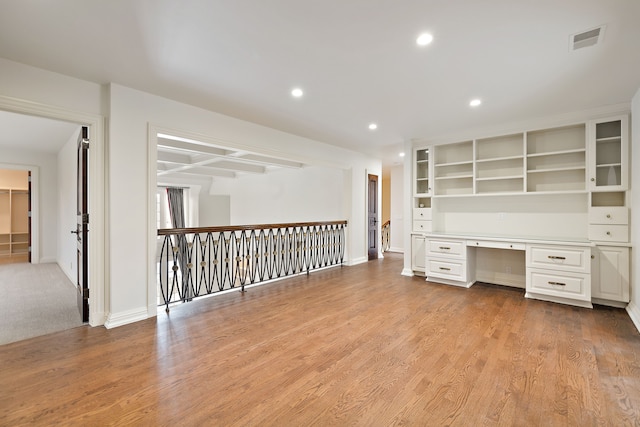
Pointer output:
x,y
422,173
608,154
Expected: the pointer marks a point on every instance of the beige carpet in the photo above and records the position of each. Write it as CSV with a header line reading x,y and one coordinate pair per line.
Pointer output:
x,y
35,299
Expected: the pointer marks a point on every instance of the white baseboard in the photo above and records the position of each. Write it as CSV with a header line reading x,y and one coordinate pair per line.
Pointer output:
x,y
634,314
357,261
124,318
398,250
407,272
45,260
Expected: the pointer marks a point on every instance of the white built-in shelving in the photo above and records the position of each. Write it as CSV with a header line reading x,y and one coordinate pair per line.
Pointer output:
x,y
453,169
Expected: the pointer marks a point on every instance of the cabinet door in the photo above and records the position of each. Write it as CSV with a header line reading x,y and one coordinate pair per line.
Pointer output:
x,y
417,253
610,273
608,154
422,172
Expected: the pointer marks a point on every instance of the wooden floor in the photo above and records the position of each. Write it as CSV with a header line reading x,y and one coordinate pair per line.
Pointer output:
x,y
347,346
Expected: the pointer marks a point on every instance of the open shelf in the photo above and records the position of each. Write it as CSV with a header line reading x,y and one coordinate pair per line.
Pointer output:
x,y
557,180
455,185
614,198
501,147
556,140
508,167
452,154
502,185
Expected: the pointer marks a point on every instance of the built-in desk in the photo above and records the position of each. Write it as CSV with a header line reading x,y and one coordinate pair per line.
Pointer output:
x,y
555,270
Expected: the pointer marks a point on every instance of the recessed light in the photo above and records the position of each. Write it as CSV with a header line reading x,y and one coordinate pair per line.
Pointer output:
x,y
401,154
373,126
475,102
297,92
424,39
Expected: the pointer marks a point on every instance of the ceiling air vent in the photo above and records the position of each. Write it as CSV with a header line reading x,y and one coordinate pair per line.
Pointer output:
x,y
586,38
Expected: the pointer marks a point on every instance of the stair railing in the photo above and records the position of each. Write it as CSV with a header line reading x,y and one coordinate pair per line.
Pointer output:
x,y
194,262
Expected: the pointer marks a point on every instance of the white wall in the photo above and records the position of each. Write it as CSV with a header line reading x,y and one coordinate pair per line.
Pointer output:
x,y
67,199
288,195
550,215
45,87
132,233
215,210
397,208
634,305
47,194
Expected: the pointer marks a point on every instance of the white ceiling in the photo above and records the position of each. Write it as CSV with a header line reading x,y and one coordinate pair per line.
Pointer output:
x,y
356,60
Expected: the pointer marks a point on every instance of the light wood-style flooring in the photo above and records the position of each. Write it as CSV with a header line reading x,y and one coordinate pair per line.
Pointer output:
x,y
356,345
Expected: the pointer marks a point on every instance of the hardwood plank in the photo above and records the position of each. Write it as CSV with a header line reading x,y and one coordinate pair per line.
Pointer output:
x,y
356,345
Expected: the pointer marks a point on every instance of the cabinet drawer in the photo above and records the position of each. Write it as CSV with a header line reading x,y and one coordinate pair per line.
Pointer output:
x,y
609,233
454,249
609,215
446,269
564,258
576,286
422,214
496,245
422,226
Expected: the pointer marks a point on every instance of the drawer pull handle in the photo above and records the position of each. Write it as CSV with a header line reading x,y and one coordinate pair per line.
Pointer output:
x,y
608,215
556,257
558,283
608,233
445,248
445,268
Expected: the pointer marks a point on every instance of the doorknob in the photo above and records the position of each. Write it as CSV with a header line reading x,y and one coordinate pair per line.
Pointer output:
x,y
74,231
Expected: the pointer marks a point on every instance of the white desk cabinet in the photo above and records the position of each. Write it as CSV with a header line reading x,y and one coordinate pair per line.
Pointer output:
x,y
447,262
417,253
559,274
610,275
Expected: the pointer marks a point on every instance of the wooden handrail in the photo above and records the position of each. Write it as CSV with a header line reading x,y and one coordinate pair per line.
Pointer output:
x,y
386,223
219,229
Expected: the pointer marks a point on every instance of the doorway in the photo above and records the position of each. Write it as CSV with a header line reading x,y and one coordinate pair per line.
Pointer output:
x,y
372,216
15,216
42,139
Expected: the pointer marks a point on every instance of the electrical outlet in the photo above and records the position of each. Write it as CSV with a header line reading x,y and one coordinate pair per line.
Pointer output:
x,y
502,216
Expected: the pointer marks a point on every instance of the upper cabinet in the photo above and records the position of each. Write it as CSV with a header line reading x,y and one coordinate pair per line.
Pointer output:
x,y
578,158
422,173
609,152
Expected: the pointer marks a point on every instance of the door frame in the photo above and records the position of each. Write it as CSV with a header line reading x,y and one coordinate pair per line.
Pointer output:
x,y
378,249
378,174
98,245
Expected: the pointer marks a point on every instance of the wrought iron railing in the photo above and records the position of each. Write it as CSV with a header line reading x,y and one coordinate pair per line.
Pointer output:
x,y
194,262
386,235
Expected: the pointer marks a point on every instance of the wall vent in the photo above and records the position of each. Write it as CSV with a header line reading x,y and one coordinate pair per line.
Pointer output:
x,y
586,38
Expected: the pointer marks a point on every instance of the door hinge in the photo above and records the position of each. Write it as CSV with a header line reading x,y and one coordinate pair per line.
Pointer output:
x,y
85,218
85,293
85,144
